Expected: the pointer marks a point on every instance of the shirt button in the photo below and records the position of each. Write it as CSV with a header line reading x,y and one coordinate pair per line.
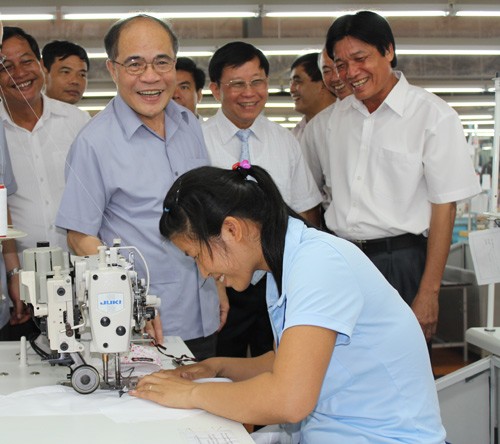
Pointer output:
x,y
176,173
359,177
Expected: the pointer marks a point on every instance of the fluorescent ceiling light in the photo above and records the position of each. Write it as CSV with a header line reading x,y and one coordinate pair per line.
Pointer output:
x,y
483,13
288,125
162,15
448,51
480,132
164,12
195,53
471,104
475,116
88,94
208,105
26,17
96,54
320,11
92,108
478,122
459,90
24,13
277,119
280,105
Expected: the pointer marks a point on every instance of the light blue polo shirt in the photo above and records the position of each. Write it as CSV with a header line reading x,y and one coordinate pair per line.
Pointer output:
x,y
379,387
117,175
7,179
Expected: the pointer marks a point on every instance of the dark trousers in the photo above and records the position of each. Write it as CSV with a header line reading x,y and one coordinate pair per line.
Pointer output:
x,y
203,348
247,323
403,269
15,332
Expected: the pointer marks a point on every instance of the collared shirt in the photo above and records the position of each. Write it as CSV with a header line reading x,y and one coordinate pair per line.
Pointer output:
x,y
314,147
8,180
38,160
118,174
298,130
272,147
378,387
387,168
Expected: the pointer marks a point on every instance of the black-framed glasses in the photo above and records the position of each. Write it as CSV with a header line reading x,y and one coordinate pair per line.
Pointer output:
x,y
137,66
240,85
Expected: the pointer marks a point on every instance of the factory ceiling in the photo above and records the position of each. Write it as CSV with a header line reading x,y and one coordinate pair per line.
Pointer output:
x,y
439,47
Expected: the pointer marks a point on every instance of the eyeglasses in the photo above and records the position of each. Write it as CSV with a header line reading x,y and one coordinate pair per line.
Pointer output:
x,y
2,57
240,85
136,67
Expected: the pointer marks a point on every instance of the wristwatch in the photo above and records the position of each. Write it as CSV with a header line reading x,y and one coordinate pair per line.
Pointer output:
x,y
12,273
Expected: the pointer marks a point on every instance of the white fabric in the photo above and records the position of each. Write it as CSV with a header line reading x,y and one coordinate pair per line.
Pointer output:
x,y
64,401
272,147
298,130
386,168
314,147
38,159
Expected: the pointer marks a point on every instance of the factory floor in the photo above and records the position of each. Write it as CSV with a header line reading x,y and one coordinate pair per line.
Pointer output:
x,y
447,360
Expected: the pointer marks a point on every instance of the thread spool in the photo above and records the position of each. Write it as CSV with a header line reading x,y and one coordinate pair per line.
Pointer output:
x,y
3,211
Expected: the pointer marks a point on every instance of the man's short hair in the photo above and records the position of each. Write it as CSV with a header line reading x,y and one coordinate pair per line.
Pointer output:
x,y
61,50
366,26
112,36
234,55
188,65
310,64
14,31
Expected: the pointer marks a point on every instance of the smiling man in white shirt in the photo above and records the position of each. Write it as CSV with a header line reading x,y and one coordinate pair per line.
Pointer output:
x,y
398,162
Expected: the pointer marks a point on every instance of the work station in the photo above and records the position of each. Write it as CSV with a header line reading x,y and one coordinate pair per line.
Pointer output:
x,y
236,223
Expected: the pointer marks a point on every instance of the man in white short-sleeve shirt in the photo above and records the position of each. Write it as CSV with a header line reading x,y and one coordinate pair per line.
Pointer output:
x,y
398,162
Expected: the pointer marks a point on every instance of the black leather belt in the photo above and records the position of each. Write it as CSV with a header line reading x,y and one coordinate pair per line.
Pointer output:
x,y
388,244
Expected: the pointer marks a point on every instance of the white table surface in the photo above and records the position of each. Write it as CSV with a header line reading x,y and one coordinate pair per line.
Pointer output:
x,y
202,428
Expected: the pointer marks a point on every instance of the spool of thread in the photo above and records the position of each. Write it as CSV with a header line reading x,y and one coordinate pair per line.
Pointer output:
x,y
3,211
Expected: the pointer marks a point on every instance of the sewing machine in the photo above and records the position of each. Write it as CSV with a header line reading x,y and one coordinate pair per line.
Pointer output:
x,y
84,305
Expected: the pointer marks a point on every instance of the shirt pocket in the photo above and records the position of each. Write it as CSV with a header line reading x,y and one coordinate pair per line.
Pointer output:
x,y
396,174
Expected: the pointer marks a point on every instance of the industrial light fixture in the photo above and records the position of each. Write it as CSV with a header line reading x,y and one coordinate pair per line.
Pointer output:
x,y
471,104
12,14
475,116
478,122
164,12
454,90
318,11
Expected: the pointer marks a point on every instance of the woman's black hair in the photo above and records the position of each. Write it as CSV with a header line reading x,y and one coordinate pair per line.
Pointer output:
x,y
199,201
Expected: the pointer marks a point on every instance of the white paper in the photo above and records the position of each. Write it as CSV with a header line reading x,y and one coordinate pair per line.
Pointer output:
x,y
485,251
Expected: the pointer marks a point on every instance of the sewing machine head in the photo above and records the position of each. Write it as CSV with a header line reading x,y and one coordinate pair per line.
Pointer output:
x,y
98,297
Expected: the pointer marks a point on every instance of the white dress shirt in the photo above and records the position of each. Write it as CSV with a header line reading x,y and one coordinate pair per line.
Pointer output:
x,y
298,130
387,168
38,159
314,147
272,147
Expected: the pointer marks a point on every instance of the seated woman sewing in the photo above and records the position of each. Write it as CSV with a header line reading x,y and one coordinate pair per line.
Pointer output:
x,y
350,361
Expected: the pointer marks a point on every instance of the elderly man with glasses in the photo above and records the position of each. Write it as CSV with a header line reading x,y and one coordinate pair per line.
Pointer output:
x,y
123,163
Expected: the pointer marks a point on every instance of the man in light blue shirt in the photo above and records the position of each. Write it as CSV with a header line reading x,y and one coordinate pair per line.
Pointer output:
x,y
120,167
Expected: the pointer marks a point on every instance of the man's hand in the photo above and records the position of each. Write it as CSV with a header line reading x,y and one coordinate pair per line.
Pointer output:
x,y
426,309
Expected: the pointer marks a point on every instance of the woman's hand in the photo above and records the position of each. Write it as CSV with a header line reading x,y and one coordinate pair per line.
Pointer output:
x,y
166,388
200,370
